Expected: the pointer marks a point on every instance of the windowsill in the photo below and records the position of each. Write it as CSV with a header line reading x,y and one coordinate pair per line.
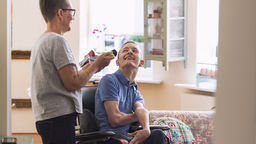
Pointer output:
x,y
149,81
193,89
144,75
138,80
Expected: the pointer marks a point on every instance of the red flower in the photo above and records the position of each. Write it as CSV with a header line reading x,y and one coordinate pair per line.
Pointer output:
x,y
172,124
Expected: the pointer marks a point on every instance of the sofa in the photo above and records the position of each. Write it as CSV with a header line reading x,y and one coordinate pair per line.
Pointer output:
x,y
199,122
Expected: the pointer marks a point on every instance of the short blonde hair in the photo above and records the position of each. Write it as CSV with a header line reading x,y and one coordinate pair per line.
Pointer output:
x,y
133,42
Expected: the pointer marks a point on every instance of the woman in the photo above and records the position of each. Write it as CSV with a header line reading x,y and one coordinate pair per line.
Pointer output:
x,y
56,82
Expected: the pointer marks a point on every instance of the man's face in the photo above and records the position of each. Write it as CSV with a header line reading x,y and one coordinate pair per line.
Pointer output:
x,y
129,55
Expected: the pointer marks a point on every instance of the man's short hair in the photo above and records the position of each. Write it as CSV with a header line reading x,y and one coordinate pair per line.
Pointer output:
x,y
131,41
49,8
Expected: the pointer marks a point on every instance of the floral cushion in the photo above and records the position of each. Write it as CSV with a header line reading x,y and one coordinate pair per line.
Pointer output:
x,y
179,132
201,123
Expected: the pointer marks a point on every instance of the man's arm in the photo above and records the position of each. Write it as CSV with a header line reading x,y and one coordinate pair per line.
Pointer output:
x,y
143,116
73,80
117,118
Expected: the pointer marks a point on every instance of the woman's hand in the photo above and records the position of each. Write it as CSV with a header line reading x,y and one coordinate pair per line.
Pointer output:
x,y
103,60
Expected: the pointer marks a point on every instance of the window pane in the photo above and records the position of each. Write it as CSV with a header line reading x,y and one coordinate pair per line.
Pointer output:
x,y
207,42
176,29
112,22
176,8
207,30
176,48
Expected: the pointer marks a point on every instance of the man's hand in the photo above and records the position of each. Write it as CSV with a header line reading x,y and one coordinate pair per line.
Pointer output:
x,y
139,136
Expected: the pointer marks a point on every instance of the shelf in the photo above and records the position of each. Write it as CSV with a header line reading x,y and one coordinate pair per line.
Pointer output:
x,y
149,81
175,39
138,80
153,18
160,38
176,18
21,54
193,89
21,103
154,57
176,59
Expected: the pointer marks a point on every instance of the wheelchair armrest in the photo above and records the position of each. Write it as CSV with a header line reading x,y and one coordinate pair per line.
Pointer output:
x,y
95,136
152,127
162,127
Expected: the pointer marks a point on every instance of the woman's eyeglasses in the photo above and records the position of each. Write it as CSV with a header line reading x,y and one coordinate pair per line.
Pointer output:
x,y
73,11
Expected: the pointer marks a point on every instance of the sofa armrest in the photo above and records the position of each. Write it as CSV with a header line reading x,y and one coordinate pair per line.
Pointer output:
x,y
200,122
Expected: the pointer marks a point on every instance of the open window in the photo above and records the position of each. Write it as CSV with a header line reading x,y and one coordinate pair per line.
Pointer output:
x,y
207,43
111,23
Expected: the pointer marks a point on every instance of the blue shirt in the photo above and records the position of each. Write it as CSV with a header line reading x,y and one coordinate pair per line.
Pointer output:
x,y
115,87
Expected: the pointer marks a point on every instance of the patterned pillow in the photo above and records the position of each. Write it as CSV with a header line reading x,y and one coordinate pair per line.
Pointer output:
x,y
179,132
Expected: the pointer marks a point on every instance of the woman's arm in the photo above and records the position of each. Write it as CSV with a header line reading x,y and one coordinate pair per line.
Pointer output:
x,y
74,80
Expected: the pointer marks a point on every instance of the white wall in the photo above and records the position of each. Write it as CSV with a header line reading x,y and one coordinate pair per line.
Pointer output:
x,y
236,89
22,118
5,46
197,102
84,30
28,25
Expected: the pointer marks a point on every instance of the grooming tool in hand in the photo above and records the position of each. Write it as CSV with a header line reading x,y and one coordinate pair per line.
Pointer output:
x,y
114,52
90,57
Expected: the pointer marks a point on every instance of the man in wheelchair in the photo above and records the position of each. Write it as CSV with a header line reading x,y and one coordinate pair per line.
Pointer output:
x,y
118,103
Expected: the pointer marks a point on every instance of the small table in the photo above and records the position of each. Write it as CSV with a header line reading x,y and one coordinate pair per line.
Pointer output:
x,y
25,139
20,139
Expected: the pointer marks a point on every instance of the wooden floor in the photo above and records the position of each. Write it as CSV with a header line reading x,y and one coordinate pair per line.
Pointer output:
x,y
37,138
